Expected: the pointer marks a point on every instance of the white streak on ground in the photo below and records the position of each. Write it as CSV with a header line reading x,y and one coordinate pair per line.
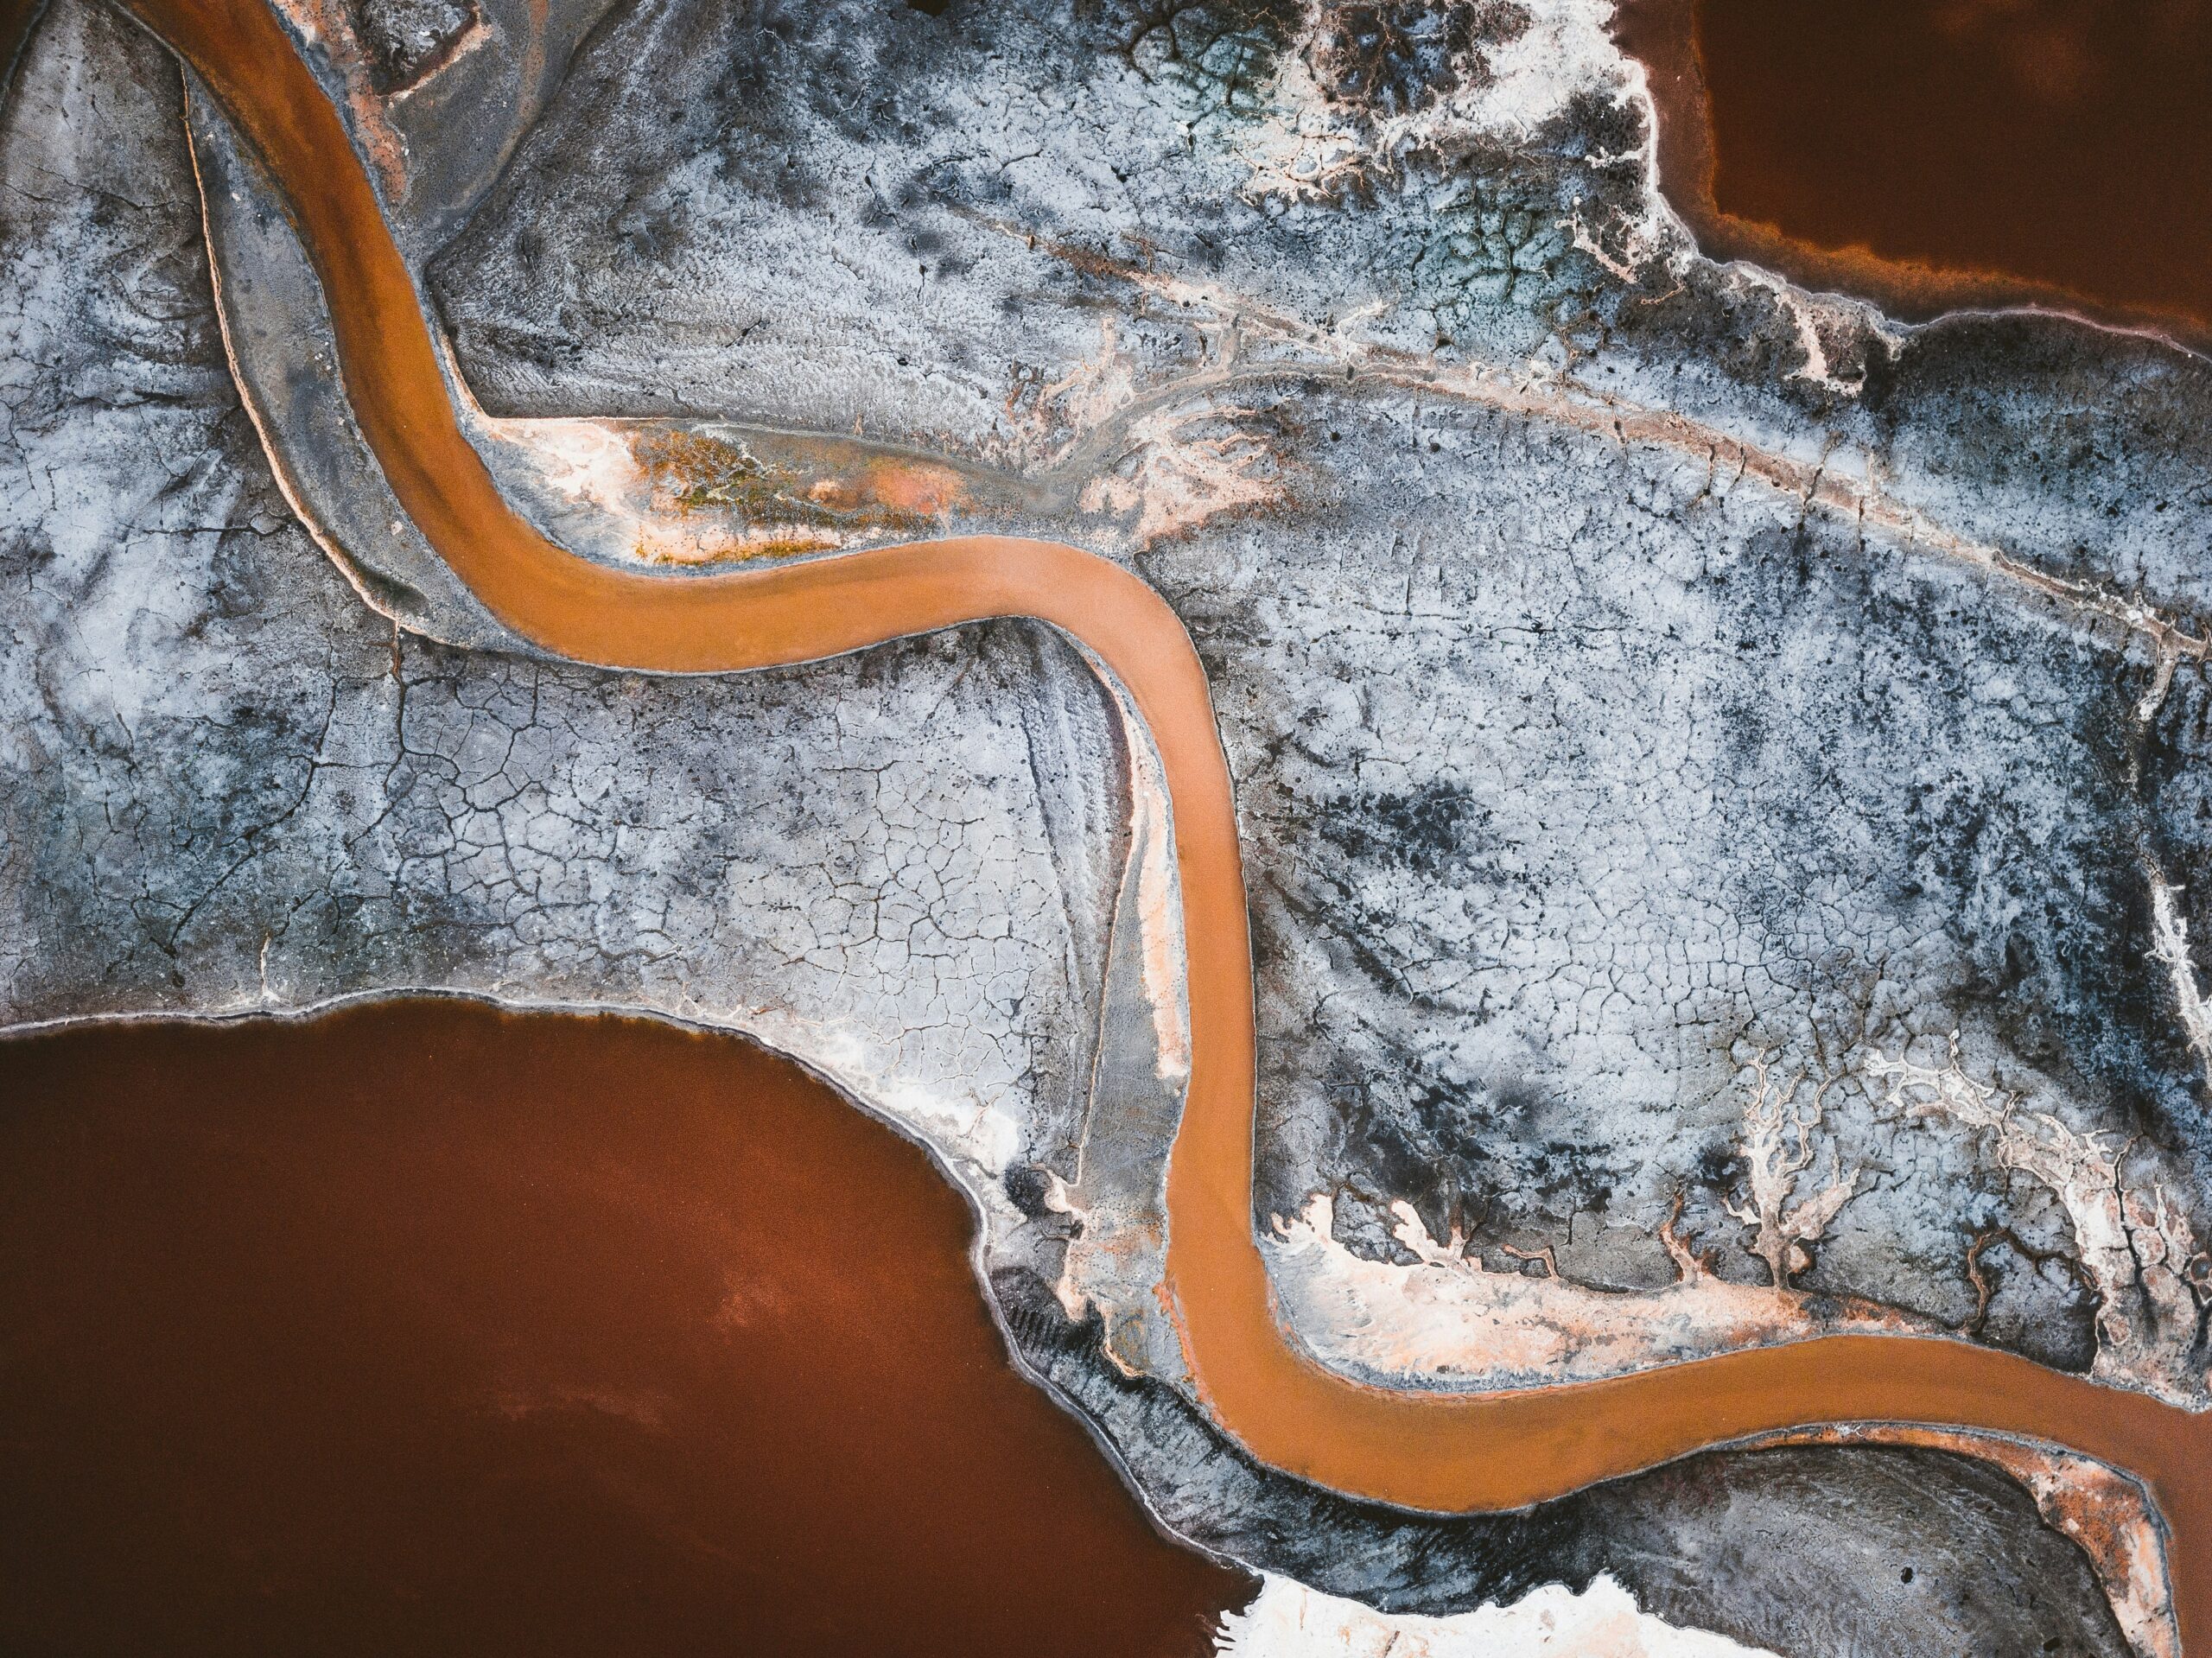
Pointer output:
x,y
1289,1620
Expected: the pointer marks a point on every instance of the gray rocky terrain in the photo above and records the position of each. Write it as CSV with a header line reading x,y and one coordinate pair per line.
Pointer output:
x,y
1718,770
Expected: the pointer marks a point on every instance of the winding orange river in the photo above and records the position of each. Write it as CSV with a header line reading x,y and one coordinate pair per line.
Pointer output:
x,y
1434,1451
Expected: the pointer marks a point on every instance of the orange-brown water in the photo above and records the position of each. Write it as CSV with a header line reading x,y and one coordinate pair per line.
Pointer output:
x,y
1931,154
1445,1453
419,1328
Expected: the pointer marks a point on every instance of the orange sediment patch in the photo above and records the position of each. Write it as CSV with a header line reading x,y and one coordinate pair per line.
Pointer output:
x,y
693,472
1443,1452
1448,1322
911,486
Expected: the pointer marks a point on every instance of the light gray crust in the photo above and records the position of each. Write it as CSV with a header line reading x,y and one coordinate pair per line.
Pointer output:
x,y
1654,782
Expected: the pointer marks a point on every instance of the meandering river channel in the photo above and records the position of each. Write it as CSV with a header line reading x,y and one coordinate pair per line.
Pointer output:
x,y
1494,1451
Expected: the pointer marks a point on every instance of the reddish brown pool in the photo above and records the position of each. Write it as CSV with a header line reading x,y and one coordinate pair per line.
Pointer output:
x,y
422,1328
1936,152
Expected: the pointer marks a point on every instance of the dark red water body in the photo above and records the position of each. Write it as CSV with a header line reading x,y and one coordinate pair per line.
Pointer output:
x,y
421,1328
1935,153
17,19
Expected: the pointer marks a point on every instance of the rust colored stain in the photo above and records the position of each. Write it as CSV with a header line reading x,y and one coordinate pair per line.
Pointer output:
x,y
1934,154
1431,1452
420,1328
777,510
911,486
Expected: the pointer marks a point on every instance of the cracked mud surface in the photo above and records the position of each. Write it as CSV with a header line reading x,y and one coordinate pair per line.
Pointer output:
x,y
1581,775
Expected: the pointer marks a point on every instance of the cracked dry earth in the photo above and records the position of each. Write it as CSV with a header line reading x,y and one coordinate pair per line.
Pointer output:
x,y
1719,771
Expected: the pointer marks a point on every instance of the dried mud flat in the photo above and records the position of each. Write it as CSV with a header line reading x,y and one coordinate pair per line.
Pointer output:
x,y
1769,874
